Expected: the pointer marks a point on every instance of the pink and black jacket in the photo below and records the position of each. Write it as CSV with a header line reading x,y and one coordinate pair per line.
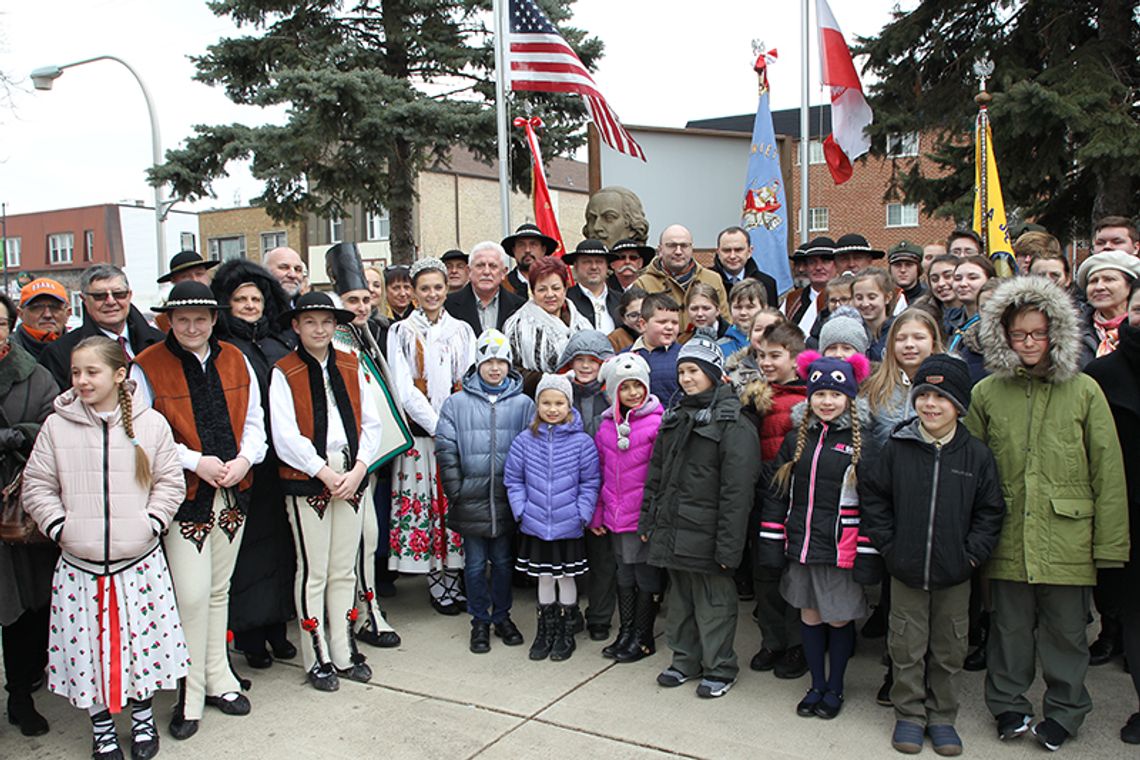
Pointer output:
x,y
817,521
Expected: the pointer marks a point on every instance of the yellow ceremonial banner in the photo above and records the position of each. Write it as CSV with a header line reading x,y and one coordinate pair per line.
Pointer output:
x,y
990,225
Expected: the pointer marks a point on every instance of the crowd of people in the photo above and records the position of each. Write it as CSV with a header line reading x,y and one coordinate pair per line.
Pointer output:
x,y
618,424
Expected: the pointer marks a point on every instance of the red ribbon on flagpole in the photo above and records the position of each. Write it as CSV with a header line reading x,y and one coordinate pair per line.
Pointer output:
x,y
544,217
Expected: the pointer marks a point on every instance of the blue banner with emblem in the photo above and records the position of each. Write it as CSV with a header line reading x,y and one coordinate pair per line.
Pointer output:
x,y
764,210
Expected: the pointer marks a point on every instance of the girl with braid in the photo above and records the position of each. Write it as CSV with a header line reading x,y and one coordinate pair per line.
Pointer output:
x,y
103,481
810,516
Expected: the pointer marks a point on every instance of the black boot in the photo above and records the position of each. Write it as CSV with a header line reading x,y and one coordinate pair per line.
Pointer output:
x,y
1109,643
544,634
22,712
627,609
564,643
976,660
642,644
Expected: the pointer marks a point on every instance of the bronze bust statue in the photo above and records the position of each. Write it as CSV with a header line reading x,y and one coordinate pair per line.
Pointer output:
x,y
615,213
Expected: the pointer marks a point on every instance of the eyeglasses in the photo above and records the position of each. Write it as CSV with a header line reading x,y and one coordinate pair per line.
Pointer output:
x,y
103,295
632,316
1020,336
45,306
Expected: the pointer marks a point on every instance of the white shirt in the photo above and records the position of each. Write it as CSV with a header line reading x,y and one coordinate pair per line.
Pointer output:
x,y
125,334
297,451
254,445
808,319
602,319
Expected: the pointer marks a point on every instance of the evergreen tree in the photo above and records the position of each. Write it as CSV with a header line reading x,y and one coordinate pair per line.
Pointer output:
x,y
1065,104
376,90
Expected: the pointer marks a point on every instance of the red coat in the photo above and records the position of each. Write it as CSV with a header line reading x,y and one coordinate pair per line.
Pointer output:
x,y
778,421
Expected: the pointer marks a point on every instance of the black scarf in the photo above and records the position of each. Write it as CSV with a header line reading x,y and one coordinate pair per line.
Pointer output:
x,y
211,421
320,403
251,331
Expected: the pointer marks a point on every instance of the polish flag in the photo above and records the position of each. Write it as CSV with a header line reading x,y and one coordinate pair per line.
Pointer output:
x,y
850,114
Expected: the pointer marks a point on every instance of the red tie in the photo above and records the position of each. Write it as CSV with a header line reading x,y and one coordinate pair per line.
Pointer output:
x,y
126,351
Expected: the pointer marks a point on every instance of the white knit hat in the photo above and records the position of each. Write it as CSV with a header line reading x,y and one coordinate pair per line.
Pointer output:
x,y
552,382
492,344
618,369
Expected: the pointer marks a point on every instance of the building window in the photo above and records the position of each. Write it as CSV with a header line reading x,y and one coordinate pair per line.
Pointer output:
x,y
88,245
271,240
902,214
815,152
12,252
818,219
899,145
336,229
378,225
188,241
226,248
61,246
77,304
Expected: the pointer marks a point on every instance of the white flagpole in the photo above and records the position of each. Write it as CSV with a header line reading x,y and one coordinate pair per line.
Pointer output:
x,y
501,11
805,109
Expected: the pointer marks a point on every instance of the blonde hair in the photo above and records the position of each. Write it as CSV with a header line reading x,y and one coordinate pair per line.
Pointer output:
x,y
702,289
782,480
111,354
883,382
883,281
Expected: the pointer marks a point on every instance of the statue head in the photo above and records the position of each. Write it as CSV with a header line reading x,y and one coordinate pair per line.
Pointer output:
x,y
615,213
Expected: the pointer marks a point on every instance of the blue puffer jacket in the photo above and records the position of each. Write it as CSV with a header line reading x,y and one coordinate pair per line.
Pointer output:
x,y
553,479
472,438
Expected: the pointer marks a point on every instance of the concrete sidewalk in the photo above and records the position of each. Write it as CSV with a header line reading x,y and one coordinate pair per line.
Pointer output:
x,y
432,698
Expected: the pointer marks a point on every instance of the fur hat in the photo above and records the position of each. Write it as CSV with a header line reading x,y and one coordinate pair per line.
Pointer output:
x,y
706,354
826,373
844,326
585,343
945,375
618,369
492,344
552,382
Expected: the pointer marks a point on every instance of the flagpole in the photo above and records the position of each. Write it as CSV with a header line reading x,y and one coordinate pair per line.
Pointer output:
x,y
502,72
982,70
805,108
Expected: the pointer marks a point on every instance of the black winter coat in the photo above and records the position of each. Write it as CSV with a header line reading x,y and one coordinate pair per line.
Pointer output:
x,y
1118,375
701,483
934,513
57,356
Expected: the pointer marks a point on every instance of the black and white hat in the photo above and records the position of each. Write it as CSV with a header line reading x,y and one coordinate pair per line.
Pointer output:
x,y
315,301
532,231
853,242
184,260
647,252
588,247
190,295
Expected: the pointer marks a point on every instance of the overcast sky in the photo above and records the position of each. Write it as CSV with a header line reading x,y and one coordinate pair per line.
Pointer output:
x,y
88,140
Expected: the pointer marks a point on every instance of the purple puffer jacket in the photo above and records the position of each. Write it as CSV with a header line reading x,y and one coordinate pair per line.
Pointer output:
x,y
552,480
624,472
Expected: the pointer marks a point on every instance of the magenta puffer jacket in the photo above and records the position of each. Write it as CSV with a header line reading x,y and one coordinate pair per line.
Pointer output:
x,y
552,480
624,470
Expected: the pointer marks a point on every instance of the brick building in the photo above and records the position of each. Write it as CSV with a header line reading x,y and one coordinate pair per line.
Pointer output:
x,y
246,232
858,205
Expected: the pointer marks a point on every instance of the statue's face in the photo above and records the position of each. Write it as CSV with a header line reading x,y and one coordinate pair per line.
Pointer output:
x,y
605,220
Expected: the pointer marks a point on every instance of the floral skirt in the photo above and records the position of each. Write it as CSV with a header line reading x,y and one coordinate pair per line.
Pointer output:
x,y
115,637
420,541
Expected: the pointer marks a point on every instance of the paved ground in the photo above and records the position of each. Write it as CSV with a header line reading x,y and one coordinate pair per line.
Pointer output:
x,y
432,698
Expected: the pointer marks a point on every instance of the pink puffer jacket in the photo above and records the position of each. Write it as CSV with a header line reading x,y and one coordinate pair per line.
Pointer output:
x,y
624,470
80,487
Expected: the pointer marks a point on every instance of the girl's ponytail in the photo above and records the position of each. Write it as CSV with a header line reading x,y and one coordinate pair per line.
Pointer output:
x,y
142,462
856,444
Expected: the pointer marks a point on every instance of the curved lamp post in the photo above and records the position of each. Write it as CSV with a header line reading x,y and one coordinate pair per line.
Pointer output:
x,y
45,76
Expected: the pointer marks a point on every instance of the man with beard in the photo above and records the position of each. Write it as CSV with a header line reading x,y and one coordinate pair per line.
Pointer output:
x,y
44,309
484,303
458,273
734,262
590,296
527,244
285,264
627,258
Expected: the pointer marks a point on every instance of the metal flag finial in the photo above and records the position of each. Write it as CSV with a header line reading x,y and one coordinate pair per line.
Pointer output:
x,y
983,70
757,47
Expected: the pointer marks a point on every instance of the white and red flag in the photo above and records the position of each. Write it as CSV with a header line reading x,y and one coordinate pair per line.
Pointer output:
x,y
850,114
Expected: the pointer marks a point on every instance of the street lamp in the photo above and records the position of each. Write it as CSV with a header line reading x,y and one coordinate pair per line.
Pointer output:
x,y
44,77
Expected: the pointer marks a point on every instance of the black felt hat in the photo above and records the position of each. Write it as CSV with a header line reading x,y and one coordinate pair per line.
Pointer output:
x,y
647,252
853,242
184,260
190,295
588,247
531,231
315,301
818,246
454,255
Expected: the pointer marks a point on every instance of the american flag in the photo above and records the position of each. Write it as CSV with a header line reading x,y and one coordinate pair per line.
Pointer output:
x,y
542,61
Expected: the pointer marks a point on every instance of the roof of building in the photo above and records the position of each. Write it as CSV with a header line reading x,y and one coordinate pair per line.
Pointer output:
x,y
561,173
784,122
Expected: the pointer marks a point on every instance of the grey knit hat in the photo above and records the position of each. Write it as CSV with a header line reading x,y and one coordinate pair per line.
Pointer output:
x,y
588,343
624,366
552,382
706,354
844,326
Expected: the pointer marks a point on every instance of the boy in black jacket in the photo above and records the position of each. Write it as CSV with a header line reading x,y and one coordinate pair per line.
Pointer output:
x,y
933,508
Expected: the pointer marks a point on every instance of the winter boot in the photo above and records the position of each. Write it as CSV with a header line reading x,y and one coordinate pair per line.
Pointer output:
x,y
642,644
544,634
564,633
627,609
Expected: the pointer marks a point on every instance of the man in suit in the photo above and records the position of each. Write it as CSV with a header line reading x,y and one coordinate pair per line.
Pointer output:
x,y
483,302
107,310
590,295
734,263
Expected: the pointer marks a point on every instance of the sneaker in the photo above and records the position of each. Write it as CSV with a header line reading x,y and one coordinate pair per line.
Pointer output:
x,y
765,659
1130,734
711,688
508,632
480,637
907,737
1012,725
945,739
1050,734
792,664
670,677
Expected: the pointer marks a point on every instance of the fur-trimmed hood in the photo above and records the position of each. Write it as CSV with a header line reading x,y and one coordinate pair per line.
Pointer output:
x,y
1064,329
756,394
842,422
234,273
